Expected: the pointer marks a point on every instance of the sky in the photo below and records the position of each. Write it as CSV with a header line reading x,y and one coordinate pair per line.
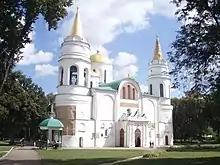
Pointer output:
x,y
124,30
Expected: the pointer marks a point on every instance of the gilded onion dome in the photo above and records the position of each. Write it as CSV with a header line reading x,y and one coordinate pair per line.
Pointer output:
x,y
99,57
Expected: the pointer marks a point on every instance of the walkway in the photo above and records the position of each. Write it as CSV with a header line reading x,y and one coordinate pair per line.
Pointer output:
x,y
21,156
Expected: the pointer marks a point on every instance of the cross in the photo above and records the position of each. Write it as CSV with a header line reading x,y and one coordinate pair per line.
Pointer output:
x,y
76,3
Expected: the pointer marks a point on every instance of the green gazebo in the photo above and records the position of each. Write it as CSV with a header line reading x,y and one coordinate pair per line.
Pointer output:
x,y
53,128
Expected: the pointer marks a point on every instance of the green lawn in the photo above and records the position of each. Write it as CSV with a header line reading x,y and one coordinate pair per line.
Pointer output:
x,y
4,149
180,158
95,157
85,157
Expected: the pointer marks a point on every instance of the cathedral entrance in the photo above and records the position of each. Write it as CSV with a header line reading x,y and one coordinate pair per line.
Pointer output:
x,y
166,140
137,138
122,133
80,142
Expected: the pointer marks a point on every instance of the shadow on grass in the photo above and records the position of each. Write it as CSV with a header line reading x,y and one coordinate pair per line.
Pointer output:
x,y
161,161
194,149
174,161
94,161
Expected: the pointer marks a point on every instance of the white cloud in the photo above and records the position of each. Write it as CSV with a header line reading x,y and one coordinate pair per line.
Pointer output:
x,y
144,88
103,22
45,70
32,56
125,64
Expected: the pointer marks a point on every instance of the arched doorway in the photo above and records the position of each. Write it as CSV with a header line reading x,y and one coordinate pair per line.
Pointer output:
x,y
122,132
137,138
80,142
166,140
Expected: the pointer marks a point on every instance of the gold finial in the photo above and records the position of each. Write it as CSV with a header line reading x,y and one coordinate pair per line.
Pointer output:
x,y
77,27
97,51
129,75
157,51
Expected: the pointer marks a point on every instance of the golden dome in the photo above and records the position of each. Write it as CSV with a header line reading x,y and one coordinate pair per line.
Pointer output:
x,y
98,57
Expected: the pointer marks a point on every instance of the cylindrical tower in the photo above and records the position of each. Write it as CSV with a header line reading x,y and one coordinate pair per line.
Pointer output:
x,y
74,83
159,80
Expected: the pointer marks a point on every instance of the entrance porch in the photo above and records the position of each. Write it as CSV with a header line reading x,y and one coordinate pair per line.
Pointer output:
x,y
133,134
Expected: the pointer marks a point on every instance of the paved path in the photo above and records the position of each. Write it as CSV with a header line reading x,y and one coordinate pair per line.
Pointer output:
x,y
21,156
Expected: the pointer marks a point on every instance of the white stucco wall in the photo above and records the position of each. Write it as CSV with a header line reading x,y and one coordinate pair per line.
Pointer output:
x,y
100,68
105,127
150,106
80,64
159,74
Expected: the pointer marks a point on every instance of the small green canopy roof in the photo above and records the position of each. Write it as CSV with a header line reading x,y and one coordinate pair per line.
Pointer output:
x,y
51,123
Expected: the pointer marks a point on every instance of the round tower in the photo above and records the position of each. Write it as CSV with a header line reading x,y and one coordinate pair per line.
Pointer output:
x,y
159,80
102,67
72,98
74,62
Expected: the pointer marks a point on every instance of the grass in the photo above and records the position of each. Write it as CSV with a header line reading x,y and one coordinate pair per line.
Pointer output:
x,y
182,156
173,156
4,149
85,157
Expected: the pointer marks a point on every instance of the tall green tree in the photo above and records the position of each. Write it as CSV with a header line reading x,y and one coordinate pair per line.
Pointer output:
x,y
24,106
16,22
189,117
212,111
196,50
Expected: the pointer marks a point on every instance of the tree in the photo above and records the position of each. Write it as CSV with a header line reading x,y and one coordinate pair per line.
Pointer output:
x,y
24,106
16,22
196,50
212,111
189,117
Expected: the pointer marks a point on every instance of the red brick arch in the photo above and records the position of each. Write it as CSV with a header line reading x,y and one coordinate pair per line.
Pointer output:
x,y
129,91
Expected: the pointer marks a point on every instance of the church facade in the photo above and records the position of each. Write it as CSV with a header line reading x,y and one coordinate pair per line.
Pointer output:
x,y
98,111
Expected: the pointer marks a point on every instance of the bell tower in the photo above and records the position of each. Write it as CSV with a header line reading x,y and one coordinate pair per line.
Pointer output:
x,y
74,62
159,80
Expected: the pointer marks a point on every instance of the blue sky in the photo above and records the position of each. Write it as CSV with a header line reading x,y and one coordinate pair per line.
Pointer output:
x,y
133,37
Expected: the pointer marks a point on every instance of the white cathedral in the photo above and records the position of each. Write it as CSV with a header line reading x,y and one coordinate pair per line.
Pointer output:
x,y
98,111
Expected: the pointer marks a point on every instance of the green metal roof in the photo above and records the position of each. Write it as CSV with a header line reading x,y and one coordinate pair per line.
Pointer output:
x,y
106,88
51,123
112,85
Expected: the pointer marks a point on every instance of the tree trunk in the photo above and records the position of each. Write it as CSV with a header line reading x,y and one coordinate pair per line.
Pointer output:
x,y
12,140
218,134
5,75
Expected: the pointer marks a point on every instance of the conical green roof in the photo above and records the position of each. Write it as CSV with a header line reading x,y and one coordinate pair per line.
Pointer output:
x,y
51,123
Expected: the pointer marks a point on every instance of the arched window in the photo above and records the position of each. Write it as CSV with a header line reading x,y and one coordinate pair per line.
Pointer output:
x,y
106,133
85,77
129,92
123,93
73,75
105,72
134,94
151,90
61,75
161,90
91,84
